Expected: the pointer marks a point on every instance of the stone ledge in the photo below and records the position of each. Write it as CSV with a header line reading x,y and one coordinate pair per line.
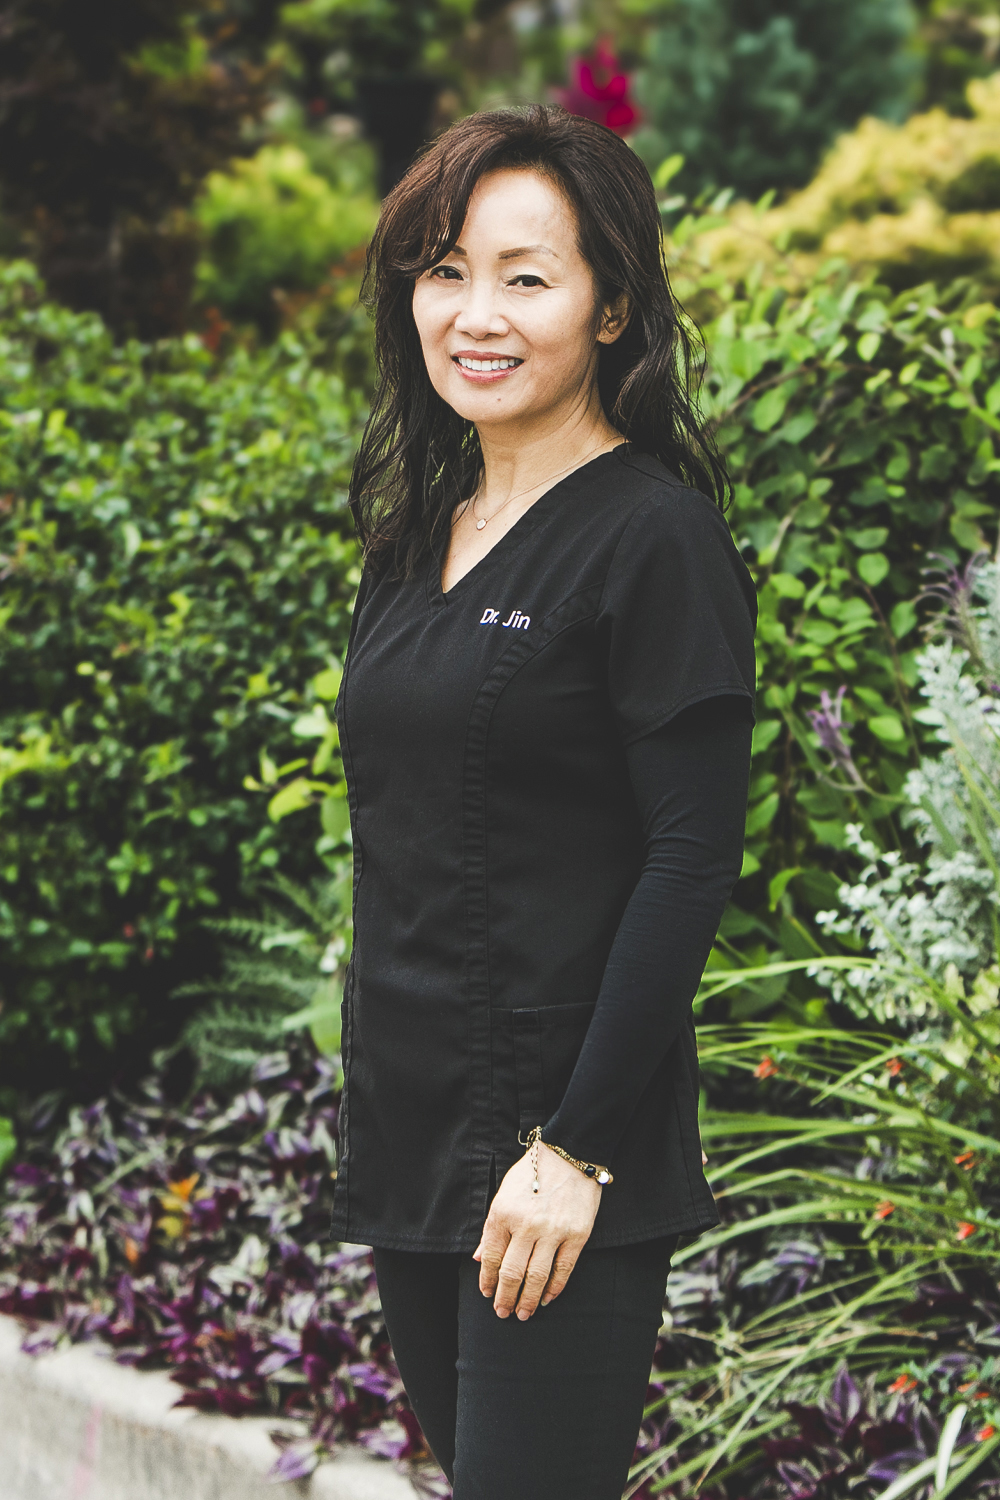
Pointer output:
x,y
76,1426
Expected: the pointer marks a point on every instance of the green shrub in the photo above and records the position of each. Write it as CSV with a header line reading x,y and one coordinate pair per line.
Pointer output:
x,y
861,432
752,94
177,568
272,222
915,202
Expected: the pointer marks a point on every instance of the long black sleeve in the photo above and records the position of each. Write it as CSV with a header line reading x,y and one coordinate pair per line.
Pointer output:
x,y
690,780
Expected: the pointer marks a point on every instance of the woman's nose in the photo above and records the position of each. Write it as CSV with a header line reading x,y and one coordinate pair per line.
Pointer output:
x,y
479,315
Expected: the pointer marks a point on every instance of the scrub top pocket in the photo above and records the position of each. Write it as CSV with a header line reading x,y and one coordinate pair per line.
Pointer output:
x,y
547,1043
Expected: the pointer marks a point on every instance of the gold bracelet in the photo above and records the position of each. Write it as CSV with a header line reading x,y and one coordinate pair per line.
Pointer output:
x,y
597,1174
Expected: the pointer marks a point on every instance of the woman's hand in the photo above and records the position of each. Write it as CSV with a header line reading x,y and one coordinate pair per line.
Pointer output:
x,y
531,1240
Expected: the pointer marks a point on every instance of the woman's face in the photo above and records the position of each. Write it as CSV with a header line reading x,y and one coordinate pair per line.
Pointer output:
x,y
509,321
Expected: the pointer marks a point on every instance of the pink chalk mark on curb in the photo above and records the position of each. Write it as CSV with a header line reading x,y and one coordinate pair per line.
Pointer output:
x,y
83,1477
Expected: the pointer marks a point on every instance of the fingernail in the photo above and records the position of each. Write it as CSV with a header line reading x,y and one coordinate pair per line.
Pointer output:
x,y
524,1316
546,1301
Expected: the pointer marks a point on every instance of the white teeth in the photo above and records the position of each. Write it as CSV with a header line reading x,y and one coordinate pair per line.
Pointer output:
x,y
488,364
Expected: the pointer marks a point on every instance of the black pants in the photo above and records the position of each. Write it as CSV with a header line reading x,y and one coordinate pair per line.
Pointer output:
x,y
548,1409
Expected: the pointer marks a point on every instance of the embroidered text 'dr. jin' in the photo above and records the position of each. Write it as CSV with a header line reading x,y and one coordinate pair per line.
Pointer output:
x,y
516,621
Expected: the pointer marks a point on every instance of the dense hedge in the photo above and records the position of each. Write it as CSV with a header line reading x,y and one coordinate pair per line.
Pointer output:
x,y
177,566
861,431
178,569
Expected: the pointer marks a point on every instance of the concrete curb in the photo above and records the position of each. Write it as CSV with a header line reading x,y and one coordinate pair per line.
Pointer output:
x,y
76,1426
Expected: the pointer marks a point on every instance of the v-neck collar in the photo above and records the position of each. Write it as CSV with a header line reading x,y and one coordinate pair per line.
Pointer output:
x,y
438,598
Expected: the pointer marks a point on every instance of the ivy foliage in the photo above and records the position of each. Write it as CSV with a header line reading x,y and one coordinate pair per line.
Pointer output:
x,y
177,568
861,430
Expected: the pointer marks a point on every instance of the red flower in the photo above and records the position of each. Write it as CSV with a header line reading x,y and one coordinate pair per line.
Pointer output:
x,y
894,1067
903,1383
883,1210
985,1433
766,1068
965,1229
128,930
967,1160
599,90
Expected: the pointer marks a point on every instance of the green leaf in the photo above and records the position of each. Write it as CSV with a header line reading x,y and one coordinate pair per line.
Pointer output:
x,y
887,727
335,817
770,408
761,816
903,619
666,171
868,536
326,684
873,567
8,1141
778,884
290,799
787,586
868,345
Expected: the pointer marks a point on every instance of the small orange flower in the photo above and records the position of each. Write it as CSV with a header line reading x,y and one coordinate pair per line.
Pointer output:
x,y
894,1067
903,1383
967,1386
766,1068
185,1187
964,1230
985,1433
133,1253
967,1160
883,1210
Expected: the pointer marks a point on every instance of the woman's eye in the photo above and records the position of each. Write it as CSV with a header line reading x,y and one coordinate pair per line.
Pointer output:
x,y
446,273
526,279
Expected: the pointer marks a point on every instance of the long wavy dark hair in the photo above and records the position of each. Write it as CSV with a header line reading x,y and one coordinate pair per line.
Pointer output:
x,y
418,458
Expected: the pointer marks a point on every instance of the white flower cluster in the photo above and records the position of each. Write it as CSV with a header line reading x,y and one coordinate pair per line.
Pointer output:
x,y
938,917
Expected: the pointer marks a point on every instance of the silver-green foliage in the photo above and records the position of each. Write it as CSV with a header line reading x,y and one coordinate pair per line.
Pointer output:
x,y
938,916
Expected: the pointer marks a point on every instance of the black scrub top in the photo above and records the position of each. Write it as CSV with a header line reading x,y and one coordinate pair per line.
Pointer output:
x,y
497,842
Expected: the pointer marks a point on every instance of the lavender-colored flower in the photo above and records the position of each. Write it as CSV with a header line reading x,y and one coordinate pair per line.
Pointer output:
x,y
955,590
827,721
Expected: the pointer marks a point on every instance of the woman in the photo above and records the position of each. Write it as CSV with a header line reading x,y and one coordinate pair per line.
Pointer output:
x,y
545,720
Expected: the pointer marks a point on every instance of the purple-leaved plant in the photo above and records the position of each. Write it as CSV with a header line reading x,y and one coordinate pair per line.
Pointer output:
x,y
194,1237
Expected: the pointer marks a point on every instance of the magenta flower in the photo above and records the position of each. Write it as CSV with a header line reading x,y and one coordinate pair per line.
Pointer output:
x,y
599,90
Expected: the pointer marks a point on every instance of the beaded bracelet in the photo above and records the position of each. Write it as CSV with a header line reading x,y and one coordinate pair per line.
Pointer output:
x,y
600,1175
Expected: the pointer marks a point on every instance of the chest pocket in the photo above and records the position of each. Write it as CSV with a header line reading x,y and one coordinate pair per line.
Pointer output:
x,y
547,1042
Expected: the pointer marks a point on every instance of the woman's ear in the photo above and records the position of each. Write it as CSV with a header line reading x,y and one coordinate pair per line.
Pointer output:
x,y
614,319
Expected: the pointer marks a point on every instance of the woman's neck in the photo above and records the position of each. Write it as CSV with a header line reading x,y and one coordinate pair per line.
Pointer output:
x,y
517,462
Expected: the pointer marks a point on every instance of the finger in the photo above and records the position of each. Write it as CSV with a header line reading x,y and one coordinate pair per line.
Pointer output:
x,y
510,1277
535,1279
491,1253
566,1258
477,1254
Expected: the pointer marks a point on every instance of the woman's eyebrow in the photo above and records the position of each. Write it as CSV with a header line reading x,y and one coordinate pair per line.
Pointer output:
x,y
526,250
506,254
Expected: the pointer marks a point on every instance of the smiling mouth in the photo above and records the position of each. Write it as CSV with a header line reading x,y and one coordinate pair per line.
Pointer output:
x,y
501,364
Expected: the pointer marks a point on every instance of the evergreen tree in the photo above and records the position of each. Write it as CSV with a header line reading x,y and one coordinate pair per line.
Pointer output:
x,y
751,92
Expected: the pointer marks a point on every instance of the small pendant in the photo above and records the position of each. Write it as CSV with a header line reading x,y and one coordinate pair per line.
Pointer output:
x,y
480,525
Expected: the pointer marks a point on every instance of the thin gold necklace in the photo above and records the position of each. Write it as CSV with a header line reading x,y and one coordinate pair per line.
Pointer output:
x,y
577,464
